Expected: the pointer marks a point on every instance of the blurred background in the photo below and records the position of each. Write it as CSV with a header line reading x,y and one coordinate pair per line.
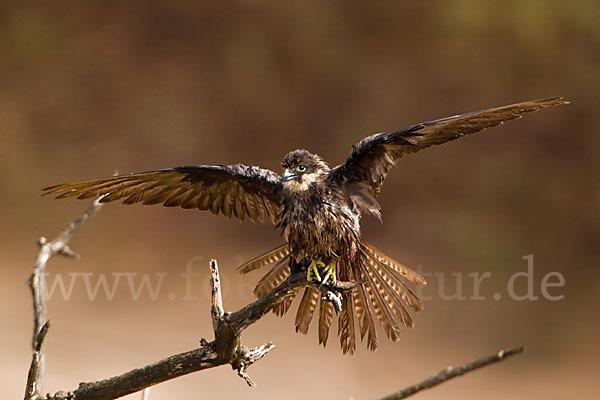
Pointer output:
x,y
88,88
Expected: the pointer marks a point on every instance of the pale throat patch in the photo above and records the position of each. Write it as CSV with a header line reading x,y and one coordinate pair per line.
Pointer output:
x,y
305,181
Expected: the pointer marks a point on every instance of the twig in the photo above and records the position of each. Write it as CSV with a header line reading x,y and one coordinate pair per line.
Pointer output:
x,y
37,283
226,348
452,372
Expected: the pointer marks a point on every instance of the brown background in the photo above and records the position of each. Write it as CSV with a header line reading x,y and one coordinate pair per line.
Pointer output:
x,y
90,87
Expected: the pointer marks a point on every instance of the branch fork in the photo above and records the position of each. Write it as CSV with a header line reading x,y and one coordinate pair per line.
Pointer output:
x,y
37,284
227,343
228,327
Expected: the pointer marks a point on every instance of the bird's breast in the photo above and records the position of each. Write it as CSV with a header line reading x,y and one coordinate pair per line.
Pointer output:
x,y
320,228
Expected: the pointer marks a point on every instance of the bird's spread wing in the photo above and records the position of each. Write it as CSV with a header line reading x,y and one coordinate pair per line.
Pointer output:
x,y
237,190
372,158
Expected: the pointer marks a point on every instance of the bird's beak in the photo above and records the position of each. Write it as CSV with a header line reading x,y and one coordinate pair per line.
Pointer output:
x,y
288,175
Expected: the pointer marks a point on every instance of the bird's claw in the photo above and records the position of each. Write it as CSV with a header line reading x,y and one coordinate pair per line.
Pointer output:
x,y
313,269
330,271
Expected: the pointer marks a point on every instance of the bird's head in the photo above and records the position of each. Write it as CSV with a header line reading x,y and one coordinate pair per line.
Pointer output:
x,y
302,169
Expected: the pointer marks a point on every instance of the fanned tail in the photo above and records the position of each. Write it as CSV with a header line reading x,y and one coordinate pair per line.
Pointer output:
x,y
382,295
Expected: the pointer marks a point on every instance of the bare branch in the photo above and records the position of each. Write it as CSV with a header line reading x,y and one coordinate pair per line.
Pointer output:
x,y
37,284
226,348
249,357
216,310
452,372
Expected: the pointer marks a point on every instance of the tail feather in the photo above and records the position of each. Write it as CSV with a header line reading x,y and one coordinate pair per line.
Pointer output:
x,y
364,315
271,257
274,277
390,294
406,272
359,311
346,321
279,256
325,318
394,280
346,325
394,286
283,307
306,309
383,312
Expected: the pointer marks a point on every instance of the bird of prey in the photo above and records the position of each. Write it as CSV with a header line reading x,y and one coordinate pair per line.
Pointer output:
x,y
318,210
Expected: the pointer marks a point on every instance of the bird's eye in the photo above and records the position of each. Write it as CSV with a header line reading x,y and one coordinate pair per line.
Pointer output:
x,y
300,168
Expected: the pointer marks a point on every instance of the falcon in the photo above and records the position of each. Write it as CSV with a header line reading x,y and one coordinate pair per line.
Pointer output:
x,y
318,210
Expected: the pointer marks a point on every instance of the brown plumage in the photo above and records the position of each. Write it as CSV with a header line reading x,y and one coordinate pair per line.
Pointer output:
x,y
318,210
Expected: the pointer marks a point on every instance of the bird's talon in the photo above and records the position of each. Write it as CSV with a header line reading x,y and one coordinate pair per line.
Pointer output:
x,y
330,271
313,269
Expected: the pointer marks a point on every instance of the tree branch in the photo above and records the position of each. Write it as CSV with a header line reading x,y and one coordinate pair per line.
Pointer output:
x,y
37,284
226,348
452,372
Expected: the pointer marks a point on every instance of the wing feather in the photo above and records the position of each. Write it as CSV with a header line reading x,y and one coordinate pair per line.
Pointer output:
x,y
373,157
233,190
261,211
240,208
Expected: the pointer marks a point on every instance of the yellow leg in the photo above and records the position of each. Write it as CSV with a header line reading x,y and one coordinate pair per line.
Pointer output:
x,y
313,269
331,272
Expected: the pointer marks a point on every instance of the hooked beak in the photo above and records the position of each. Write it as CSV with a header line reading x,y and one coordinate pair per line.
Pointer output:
x,y
288,175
